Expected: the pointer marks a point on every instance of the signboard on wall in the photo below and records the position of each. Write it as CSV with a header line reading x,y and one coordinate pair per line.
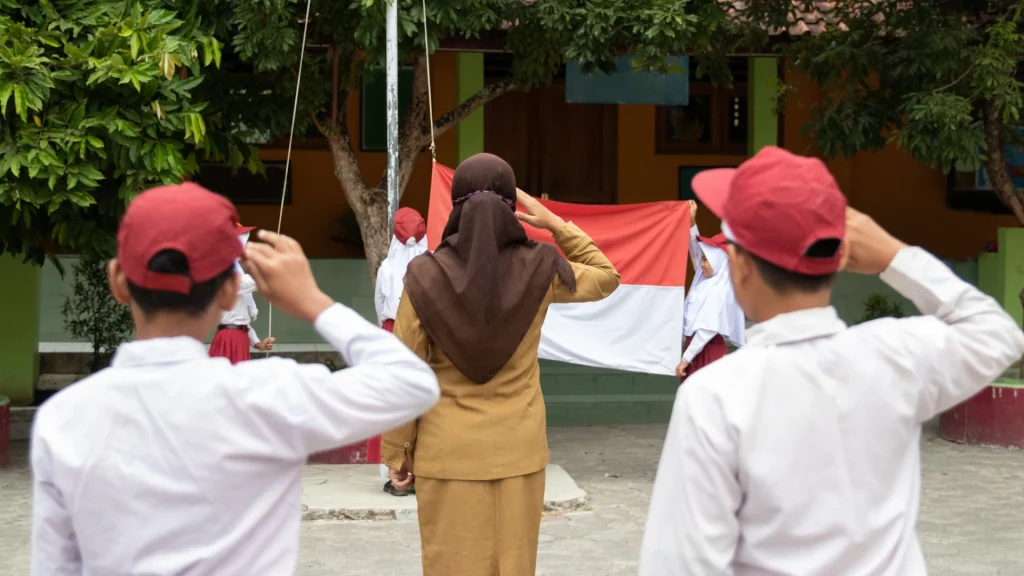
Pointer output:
x,y
630,86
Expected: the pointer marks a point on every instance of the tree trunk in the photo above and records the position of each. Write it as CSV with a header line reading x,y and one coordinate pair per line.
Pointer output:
x,y
995,164
370,205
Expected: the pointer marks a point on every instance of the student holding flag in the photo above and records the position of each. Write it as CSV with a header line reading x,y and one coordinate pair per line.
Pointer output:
x,y
712,315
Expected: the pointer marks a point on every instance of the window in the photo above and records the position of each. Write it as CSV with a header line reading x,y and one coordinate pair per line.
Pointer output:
x,y
714,122
243,187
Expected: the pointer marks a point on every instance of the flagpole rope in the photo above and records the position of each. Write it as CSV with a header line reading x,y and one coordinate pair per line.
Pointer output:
x,y
430,93
291,138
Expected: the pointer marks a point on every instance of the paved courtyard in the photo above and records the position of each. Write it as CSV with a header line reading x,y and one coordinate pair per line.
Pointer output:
x,y
972,516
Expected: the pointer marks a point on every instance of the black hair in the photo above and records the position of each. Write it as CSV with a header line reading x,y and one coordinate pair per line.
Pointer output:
x,y
784,281
193,304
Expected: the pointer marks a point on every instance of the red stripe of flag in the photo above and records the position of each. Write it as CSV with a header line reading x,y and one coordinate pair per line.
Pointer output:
x,y
647,243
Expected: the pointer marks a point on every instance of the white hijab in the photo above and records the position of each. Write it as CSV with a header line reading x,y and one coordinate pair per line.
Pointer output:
x,y
391,274
711,303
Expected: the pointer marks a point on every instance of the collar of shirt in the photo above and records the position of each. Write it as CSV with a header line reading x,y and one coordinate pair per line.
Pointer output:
x,y
159,351
798,326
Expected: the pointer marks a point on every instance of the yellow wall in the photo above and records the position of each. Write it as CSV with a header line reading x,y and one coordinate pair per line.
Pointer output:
x,y
318,199
904,195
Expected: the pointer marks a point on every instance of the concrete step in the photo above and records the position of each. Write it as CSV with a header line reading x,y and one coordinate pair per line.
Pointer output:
x,y
356,492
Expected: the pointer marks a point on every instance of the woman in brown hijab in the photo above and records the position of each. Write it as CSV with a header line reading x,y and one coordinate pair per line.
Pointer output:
x,y
474,312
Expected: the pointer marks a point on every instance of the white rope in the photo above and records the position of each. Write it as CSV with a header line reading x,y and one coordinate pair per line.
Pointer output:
x,y
430,93
288,157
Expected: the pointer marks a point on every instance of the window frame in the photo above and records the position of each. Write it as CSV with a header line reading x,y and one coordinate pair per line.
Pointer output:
x,y
721,97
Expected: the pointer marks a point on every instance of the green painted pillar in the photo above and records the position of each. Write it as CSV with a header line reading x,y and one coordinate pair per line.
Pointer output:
x,y
762,88
470,70
19,338
1001,275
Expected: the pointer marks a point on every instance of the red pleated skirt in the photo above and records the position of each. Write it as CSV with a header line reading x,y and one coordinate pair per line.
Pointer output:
x,y
712,351
232,344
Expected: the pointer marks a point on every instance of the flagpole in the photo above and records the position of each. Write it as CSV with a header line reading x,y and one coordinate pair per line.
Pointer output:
x,y
392,110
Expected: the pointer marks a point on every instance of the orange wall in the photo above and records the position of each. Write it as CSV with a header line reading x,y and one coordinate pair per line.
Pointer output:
x,y
904,195
318,199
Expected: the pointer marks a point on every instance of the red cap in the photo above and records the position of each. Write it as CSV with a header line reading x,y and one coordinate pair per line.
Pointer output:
x,y
186,218
243,229
777,205
409,224
717,241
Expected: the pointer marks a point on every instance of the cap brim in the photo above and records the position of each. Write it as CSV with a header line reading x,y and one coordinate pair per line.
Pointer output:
x,y
245,229
712,188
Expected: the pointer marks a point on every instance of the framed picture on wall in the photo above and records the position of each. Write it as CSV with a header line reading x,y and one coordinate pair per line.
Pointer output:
x,y
686,174
242,187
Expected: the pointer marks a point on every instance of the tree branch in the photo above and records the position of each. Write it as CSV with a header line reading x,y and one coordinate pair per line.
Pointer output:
x,y
460,112
336,56
998,169
957,81
316,122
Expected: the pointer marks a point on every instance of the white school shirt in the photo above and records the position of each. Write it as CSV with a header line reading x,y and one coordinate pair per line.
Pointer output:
x,y
799,454
244,312
174,463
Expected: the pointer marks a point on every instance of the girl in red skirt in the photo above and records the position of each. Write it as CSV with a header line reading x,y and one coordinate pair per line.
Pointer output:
x,y
235,334
712,314
408,242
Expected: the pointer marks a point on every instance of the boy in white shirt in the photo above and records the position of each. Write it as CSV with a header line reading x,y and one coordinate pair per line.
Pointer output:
x,y
172,462
800,452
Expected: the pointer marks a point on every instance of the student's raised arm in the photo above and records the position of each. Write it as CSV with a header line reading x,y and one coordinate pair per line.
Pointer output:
x,y
965,339
694,248
384,385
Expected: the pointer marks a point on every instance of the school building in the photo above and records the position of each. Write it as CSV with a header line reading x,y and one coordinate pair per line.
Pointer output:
x,y
587,153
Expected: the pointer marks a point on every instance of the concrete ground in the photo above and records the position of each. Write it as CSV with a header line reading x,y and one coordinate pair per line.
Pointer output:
x,y
972,513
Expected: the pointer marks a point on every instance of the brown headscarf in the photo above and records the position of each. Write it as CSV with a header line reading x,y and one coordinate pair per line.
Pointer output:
x,y
480,291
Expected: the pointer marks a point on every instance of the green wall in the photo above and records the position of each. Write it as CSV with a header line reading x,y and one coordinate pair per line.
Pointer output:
x,y
470,75
762,88
1001,275
19,331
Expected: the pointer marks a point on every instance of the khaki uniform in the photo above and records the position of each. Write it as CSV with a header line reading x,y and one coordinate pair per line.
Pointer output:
x,y
479,455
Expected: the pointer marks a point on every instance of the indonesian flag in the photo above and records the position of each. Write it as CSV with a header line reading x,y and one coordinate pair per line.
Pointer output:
x,y
639,328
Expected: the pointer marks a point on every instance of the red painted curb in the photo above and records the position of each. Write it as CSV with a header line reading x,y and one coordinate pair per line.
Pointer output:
x,y
5,431
993,417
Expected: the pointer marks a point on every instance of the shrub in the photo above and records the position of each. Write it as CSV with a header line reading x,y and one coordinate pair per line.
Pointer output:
x,y
92,314
881,306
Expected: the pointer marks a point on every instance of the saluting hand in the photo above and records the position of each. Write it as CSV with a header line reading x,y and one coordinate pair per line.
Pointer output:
x,y
871,248
537,215
283,276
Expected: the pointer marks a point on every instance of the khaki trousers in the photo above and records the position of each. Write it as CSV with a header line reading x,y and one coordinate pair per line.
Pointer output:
x,y
480,528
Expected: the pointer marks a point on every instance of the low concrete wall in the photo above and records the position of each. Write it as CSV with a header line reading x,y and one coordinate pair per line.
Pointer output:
x,y
575,395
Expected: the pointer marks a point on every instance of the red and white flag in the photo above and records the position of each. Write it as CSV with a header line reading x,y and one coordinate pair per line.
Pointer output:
x,y
639,328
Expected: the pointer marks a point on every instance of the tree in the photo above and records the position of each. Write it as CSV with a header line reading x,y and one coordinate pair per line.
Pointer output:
x,y
91,313
541,35
938,77
100,99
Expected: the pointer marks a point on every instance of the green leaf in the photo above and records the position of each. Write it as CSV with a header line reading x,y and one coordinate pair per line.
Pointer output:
x,y
135,46
21,102
6,89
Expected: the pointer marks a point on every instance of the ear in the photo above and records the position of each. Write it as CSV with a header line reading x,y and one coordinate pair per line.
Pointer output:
x,y
844,255
225,299
118,282
739,264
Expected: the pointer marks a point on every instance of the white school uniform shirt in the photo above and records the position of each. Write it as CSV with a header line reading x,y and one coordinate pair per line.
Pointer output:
x,y
172,462
244,312
799,454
